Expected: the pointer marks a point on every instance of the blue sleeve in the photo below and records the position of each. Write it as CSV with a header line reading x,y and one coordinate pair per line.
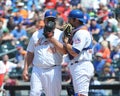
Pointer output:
x,y
76,50
24,32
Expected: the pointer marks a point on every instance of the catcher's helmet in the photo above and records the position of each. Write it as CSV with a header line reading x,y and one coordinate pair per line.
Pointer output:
x,y
50,13
75,13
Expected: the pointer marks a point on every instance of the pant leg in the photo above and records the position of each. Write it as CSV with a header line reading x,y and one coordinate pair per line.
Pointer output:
x,y
81,76
35,84
52,86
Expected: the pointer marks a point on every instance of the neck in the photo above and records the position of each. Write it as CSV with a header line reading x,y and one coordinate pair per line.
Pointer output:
x,y
5,62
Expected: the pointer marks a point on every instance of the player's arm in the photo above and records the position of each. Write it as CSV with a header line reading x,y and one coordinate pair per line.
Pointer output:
x,y
96,31
78,44
69,48
59,46
28,61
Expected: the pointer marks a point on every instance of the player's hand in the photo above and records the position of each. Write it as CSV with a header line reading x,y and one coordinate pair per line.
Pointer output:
x,y
65,40
48,34
25,75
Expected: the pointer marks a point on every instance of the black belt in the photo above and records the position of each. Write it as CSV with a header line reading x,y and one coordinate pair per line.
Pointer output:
x,y
74,62
78,61
53,65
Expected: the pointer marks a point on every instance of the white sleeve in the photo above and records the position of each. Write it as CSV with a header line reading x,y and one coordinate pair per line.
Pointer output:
x,y
30,46
2,68
79,40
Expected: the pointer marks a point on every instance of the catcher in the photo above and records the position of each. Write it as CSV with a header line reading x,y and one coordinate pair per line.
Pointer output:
x,y
78,45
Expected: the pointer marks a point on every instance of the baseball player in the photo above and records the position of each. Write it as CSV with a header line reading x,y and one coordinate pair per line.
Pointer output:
x,y
79,52
45,52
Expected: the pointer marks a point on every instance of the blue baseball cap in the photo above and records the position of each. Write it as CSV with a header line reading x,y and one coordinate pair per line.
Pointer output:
x,y
76,13
50,13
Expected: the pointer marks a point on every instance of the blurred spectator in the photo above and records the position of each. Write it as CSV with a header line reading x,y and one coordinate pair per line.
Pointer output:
x,y
19,33
8,4
112,18
75,2
40,24
107,72
6,37
110,27
115,53
91,12
1,29
31,12
2,72
50,4
21,10
105,50
8,65
60,6
66,11
8,12
111,38
3,20
95,29
60,21
30,3
102,13
38,15
11,23
98,63
113,3
117,11
18,18
107,77
96,47
20,54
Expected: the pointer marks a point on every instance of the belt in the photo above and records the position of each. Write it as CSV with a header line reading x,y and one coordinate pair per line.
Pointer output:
x,y
46,67
74,62
53,65
78,62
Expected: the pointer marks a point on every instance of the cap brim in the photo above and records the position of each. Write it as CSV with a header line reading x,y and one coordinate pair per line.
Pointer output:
x,y
50,17
82,20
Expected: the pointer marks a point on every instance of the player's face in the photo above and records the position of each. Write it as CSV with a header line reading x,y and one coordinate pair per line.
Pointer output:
x,y
70,20
50,19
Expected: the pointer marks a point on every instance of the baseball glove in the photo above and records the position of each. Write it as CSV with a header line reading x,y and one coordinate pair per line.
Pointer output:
x,y
67,28
48,29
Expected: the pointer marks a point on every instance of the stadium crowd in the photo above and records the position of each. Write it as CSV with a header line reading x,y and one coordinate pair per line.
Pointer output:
x,y
20,18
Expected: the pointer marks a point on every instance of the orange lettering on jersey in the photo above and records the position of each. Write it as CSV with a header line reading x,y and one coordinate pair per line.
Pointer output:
x,y
45,43
38,42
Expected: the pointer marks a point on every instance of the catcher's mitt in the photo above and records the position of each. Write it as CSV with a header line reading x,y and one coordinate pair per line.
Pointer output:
x,y
67,28
48,29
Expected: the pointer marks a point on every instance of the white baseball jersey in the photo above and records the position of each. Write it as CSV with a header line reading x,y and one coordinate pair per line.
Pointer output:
x,y
2,67
83,69
45,53
7,67
81,40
